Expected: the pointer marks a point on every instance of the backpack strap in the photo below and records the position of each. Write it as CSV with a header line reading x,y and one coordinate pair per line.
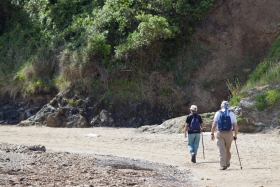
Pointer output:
x,y
227,111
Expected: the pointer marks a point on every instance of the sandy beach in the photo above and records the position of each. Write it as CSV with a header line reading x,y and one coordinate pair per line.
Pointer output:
x,y
259,153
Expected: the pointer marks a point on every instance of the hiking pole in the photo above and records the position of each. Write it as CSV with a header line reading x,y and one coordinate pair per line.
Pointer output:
x,y
238,154
203,145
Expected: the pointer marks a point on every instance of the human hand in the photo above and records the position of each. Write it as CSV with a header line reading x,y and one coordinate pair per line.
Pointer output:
x,y
212,137
235,138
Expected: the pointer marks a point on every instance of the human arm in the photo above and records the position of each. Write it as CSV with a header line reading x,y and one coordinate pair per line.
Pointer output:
x,y
185,130
202,127
201,123
214,125
235,127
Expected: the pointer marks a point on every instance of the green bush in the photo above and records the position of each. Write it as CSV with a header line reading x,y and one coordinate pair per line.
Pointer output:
x,y
272,96
266,99
208,115
239,120
234,101
260,102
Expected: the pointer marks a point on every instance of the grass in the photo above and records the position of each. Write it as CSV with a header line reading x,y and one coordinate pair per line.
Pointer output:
x,y
235,87
266,73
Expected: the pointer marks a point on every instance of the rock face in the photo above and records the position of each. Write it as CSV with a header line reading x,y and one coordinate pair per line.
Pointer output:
x,y
59,112
13,111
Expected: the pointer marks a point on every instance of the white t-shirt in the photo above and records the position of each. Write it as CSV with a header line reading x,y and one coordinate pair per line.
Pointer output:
x,y
231,114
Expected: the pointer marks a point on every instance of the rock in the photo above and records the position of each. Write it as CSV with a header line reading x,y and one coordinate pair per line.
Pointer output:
x,y
54,120
76,121
104,118
26,123
37,148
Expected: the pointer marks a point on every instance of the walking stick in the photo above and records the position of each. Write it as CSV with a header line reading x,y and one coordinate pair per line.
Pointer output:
x,y
203,145
238,154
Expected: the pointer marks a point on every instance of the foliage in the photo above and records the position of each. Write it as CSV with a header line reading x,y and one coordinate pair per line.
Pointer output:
x,y
268,71
97,47
75,102
239,120
150,29
84,44
234,88
274,51
269,98
234,101
260,102
123,88
208,115
272,96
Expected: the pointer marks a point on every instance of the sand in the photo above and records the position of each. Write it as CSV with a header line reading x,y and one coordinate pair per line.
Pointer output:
x,y
259,153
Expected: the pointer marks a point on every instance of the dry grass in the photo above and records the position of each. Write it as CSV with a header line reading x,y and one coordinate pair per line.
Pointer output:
x,y
235,87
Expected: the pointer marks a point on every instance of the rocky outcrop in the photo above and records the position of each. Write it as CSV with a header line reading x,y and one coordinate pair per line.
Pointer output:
x,y
249,119
56,117
14,112
66,110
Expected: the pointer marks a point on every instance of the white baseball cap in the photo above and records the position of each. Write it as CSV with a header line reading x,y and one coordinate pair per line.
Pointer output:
x,y
193,107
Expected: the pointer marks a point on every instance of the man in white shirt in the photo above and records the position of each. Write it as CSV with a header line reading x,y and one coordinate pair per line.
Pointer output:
x,y
224,133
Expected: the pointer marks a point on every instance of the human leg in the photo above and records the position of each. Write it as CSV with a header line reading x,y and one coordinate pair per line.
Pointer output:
x,y
191,139
221,148
191,143
228,140
196,142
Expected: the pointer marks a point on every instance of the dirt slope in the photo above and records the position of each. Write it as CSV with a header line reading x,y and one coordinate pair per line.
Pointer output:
x,y
238,34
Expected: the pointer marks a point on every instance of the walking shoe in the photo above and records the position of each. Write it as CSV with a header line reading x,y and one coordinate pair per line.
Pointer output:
x,y
193,157
228,165
223,168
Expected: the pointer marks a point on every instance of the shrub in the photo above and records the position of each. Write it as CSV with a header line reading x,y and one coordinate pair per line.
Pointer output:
x,y
266,99
239,120
260,102
272,96
208,115
234,101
